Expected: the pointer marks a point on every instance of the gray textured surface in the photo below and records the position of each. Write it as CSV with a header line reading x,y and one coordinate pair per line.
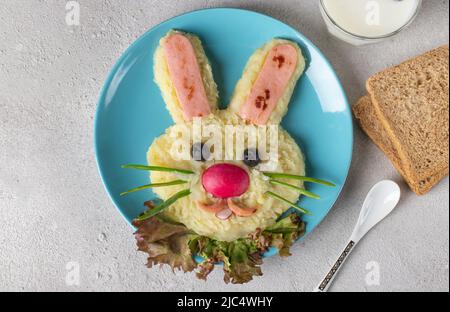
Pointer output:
x,y
54,211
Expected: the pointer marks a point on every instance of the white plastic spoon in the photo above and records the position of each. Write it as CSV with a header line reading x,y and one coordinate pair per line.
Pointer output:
x,y
379,203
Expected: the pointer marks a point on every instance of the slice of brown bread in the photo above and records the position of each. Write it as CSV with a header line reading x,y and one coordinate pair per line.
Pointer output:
x,y
411,102
367,118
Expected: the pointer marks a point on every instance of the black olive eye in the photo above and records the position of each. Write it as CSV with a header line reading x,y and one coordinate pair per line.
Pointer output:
x,y
251,157
200,152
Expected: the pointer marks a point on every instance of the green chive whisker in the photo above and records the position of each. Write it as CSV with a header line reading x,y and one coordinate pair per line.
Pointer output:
x,y
158,209
152,185
293,205
277,175
298,189
156,168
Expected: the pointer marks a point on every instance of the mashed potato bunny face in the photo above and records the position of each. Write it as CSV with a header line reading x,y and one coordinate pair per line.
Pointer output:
x,y
221,171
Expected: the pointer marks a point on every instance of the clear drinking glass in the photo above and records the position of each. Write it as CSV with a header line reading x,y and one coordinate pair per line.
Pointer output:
x,y
351,35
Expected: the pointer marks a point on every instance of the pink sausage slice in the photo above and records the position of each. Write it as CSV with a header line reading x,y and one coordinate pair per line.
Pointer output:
x,y
240,211
213,208
270,85
186,77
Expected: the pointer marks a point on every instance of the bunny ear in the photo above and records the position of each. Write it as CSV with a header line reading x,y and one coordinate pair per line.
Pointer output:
x,y
263,93
184,75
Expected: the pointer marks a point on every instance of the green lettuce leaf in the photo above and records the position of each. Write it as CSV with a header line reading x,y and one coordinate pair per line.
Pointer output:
x,y
165,243
170,243
284,233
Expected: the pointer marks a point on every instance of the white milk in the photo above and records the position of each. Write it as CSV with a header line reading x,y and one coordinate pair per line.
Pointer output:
x,y
368,18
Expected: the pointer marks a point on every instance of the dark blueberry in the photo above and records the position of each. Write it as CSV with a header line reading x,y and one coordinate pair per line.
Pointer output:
x,y
200,152
251,157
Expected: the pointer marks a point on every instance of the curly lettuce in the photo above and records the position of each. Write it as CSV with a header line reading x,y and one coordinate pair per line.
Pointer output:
x,y
173,244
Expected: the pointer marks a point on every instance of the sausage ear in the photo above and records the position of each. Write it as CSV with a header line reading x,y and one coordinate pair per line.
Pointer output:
x,y
184,76
263,93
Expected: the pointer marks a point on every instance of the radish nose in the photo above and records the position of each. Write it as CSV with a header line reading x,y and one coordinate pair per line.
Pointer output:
x,y
225,180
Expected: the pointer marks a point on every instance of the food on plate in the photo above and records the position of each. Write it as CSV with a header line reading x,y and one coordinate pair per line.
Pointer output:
x,y
285,66
174,244
406,115
174,49
228,210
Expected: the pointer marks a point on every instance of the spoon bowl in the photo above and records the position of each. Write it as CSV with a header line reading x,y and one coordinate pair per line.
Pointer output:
x,y
379,203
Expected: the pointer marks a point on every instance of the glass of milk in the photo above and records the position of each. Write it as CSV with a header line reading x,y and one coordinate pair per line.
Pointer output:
x,y
366,21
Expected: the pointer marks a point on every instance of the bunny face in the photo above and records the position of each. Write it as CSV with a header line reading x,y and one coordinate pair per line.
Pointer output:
x,y
228,190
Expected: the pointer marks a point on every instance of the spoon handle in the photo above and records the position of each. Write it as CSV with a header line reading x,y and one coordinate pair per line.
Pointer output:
x,y
328,279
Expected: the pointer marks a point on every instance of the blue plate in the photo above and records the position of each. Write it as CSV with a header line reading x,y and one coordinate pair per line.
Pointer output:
x,y
131,112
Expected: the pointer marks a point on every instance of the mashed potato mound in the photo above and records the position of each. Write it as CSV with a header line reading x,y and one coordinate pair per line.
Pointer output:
x,y
204,223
